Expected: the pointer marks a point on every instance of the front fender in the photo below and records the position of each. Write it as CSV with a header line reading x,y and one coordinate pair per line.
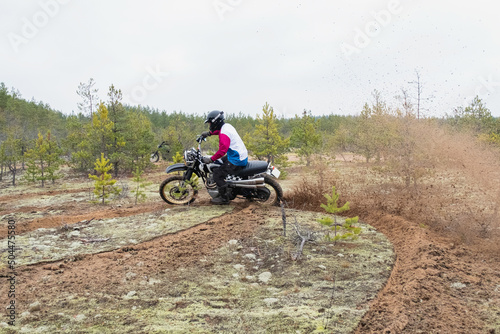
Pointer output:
x,y
176,168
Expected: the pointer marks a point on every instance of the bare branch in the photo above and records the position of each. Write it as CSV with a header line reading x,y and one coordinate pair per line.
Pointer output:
x,y
302,240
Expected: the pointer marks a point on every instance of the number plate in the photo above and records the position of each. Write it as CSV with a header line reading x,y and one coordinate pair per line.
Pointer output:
x,y
275,172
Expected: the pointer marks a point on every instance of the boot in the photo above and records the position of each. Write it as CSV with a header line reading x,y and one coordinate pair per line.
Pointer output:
x,y
221,199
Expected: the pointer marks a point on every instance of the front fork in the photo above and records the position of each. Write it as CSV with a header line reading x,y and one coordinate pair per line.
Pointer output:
x,y
188,174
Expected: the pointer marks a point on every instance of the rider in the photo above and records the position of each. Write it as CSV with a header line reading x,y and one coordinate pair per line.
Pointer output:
x,y
232,150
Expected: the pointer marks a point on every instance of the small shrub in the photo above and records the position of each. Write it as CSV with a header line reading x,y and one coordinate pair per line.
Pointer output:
x,y
307,195
178,157
332,207
140,184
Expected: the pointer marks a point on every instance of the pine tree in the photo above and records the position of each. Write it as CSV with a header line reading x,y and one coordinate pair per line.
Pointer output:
x,y
37,160
117,115
53,157
177,158
476,117
341,141
75,135
333,208
11,155
365,143
104,184
376,130
2,160
32,169
305,136
139,140
89,96
100,134
125,137
266,140
87,140
43,160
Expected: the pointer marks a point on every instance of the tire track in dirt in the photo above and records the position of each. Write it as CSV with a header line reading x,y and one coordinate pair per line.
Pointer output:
x,y
10,198
419,296
79,213
105,272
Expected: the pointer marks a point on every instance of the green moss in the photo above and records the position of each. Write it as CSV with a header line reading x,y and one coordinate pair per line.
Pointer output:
x,y
320,292
46,245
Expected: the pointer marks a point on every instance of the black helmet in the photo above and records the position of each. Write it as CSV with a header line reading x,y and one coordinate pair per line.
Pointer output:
x,y
216,120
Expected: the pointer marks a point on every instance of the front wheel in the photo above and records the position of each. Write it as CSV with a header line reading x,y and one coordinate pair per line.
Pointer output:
x,y
155,157
174,190
271,194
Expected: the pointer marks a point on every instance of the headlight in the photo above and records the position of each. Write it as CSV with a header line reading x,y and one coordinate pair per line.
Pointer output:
x,y
189,157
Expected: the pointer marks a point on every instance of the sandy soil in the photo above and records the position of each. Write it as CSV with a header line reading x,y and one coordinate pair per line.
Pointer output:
x,y
436,286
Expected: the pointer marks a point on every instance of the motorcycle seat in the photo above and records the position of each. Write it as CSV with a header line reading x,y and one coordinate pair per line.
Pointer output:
x,y
252,168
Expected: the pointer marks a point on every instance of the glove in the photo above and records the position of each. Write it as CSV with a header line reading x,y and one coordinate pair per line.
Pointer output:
x,y
206,160
206,134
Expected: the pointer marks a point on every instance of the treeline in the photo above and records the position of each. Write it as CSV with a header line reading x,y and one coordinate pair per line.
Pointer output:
x,y
36,140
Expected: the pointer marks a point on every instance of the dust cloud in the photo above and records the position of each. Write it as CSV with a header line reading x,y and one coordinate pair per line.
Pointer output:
x,y
442,179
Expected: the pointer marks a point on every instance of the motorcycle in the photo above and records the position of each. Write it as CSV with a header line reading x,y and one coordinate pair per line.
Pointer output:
x,y
155,156
256,181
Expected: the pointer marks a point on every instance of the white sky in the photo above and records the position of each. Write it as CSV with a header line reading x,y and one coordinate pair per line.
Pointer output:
x,y
236,55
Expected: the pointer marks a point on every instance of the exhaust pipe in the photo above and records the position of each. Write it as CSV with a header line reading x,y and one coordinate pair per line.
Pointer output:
x,y
252,182
250,186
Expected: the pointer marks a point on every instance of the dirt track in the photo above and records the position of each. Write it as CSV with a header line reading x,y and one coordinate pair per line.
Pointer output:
x,y
436,286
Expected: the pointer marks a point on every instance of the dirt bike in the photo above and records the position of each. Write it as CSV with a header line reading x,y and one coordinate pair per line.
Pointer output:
x,y
257,181
155,157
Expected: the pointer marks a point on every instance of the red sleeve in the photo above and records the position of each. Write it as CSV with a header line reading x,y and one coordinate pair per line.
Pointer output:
x,y
224,143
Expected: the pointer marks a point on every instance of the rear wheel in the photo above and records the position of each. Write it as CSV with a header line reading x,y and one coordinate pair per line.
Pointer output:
x,y
271,194
174,190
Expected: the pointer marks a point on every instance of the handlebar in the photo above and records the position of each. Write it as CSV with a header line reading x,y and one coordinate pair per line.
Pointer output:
x,y
200,138
162,143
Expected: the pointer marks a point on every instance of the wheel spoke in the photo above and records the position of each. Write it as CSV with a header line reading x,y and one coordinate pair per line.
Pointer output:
x,y
175,191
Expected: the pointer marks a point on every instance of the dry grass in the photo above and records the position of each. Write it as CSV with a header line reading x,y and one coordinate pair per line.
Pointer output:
x,y
308,193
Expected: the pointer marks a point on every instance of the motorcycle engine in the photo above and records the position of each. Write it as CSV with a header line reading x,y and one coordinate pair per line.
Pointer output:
x,y
213,192
212,187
